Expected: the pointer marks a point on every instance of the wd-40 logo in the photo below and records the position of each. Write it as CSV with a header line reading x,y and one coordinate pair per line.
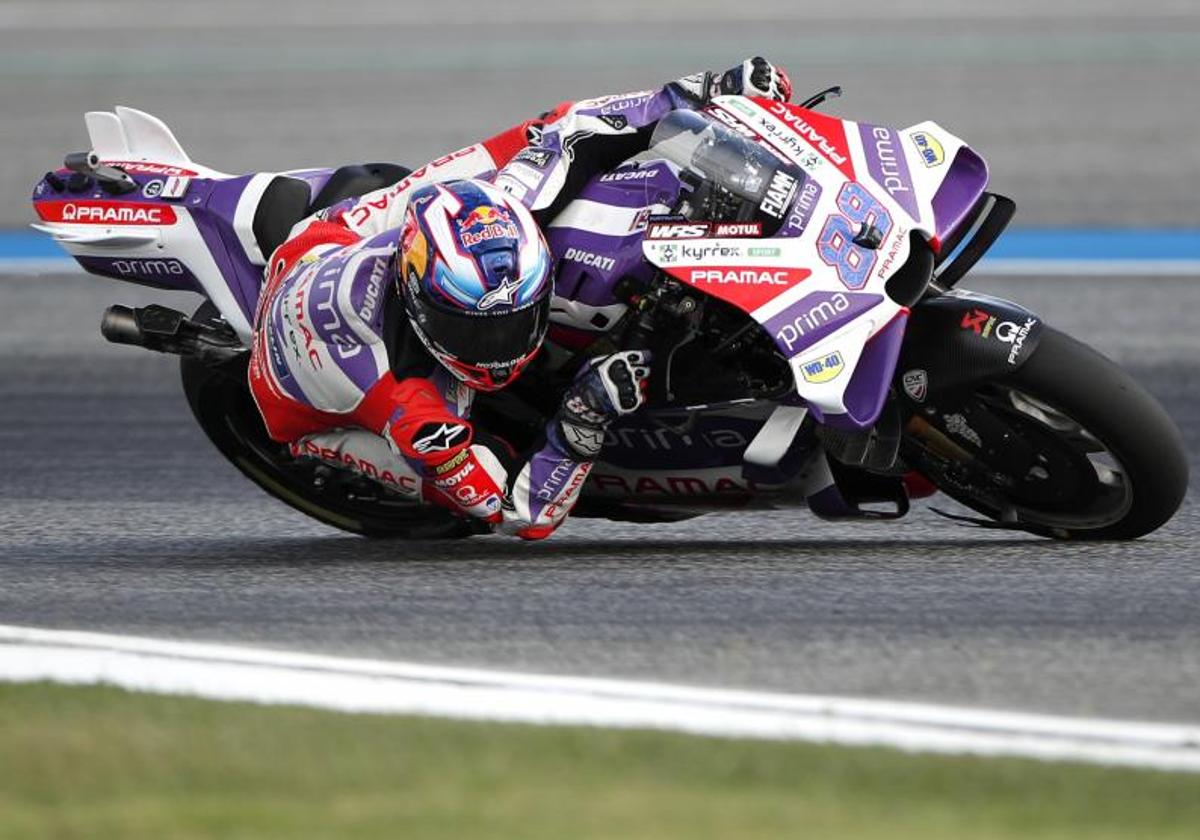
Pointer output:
x,y
822,369
929,148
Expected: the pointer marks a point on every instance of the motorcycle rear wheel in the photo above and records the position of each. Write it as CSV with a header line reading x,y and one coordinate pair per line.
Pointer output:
x,y
222,405
1068,446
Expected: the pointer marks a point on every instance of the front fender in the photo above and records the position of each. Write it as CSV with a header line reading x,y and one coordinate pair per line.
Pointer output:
x,y
962,337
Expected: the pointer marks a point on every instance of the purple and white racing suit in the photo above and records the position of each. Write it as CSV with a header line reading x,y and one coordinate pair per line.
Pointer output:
x,y
328,371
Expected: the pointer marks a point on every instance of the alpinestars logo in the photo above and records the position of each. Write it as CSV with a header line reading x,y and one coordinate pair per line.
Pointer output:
x,y
501,295
445,436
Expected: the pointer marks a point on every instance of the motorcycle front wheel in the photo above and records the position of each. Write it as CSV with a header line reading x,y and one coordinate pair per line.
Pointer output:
x,y
1068,446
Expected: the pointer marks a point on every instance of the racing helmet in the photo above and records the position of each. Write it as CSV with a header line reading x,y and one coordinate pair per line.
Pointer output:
x,y
475,278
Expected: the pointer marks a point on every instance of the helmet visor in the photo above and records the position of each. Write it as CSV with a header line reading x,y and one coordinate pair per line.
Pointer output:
x,y
486,341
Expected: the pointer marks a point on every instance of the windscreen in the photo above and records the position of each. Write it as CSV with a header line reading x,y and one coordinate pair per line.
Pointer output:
x,y
695,141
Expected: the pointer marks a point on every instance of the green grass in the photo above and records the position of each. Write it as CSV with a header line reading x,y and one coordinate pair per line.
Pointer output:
x,y
100,762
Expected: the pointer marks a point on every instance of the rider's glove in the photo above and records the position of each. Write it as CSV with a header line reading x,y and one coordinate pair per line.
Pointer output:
x,y
606,388
755,77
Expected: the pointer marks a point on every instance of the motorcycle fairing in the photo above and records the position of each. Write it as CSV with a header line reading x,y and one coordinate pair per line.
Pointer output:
x,y
186,226
820,294
596,240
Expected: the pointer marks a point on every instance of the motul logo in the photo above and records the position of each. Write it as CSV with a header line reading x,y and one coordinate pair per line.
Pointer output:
x,y
700,230
105,213
724,229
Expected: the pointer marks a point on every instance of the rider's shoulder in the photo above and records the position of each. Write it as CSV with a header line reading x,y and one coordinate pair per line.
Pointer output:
x,y
386,241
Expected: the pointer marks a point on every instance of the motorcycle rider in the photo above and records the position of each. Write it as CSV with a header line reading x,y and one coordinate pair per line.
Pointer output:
x,y
353,368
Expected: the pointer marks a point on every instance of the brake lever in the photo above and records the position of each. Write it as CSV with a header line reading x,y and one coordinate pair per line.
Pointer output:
x,y
817,98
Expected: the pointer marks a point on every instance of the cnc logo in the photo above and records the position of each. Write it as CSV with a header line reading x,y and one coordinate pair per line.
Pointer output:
x,y
916,384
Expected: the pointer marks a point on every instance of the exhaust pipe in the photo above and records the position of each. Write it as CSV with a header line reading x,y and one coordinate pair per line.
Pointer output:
x,y
120,326
167,331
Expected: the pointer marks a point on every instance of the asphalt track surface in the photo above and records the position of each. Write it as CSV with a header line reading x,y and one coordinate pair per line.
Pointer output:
x,y
117,515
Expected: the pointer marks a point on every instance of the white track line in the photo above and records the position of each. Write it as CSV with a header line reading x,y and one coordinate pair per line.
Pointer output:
x,y
364,685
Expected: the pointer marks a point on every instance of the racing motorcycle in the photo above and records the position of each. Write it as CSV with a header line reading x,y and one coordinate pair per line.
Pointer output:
x,y
795,274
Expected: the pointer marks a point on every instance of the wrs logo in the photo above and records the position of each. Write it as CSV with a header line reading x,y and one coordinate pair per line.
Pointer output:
x,y
105,213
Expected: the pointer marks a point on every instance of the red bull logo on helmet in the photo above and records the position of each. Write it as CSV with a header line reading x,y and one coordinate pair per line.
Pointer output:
x,y
486,222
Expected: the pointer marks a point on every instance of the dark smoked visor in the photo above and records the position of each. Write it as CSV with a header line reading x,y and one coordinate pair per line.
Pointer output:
x,y
485,340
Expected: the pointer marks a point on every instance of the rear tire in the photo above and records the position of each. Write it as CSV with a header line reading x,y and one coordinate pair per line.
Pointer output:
x,y
1082,405
221,402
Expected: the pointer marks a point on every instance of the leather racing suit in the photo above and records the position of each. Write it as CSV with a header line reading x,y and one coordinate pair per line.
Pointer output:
x,y
338,375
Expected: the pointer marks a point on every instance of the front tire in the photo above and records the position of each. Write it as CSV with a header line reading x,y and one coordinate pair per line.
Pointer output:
x,y
1068,446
